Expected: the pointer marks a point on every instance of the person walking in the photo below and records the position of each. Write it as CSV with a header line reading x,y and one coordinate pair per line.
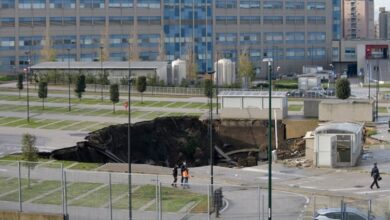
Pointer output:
x,y
182,168
186,176
174,174
375,175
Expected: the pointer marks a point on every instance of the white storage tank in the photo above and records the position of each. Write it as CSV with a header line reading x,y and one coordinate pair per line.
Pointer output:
x,y
225,72
179,71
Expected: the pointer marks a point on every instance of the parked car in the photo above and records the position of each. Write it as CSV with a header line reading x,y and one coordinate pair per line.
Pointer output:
x,y
330,92
335,213
314,94
296,93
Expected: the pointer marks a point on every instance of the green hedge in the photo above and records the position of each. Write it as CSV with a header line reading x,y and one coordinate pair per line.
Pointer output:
x,y
4,78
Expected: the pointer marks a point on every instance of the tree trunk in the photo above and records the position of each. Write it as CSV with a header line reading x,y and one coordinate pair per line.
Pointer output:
x,y
43,103
142,98
19,93
113,105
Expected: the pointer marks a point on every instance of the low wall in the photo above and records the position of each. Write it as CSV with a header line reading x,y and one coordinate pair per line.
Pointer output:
x,y
14,215
346,110
310,108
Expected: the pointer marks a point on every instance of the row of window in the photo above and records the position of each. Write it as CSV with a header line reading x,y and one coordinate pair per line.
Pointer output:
x,y
84,21
41,4
274,37
154,20
271,19
314,5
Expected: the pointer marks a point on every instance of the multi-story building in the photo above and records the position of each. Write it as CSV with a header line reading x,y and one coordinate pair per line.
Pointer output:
x,y
293,32
384,23
358,19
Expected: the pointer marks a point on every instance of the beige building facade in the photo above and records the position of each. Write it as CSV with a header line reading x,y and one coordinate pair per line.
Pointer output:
x,y
384,22
359,19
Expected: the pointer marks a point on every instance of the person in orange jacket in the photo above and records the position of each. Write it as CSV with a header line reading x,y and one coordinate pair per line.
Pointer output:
x,y
186,176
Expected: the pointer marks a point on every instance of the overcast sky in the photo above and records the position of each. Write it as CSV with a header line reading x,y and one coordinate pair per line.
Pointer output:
x,y
381,3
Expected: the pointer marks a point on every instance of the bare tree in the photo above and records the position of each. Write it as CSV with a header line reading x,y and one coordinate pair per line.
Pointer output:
x,y
162,56
104,55
134,55
29,153
191,65
245,66
48,54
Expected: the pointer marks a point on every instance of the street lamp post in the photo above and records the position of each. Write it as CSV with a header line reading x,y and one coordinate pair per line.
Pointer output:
x,y
217,79
101,67
69,105
377,92
27,73
269,62
129,140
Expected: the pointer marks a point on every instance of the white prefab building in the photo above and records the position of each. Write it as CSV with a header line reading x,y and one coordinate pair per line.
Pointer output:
x,y
179,71
225,72
338,144
252,104
309,81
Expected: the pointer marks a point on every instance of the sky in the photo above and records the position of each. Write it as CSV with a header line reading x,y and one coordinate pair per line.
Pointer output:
x,y
381,3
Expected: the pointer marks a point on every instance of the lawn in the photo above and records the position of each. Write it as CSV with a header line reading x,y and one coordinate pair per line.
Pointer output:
x,y
195,105
153,115
38,123
295,108
4,120
140,197
177,105
73,190
58,125
34,191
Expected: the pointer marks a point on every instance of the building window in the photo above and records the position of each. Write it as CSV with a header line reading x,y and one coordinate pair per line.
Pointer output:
x,y
335,53
90,41
273,37
273,20
7,43
350,53
250,20
149,40
149,20
316,37
316,19
69,21
295,53
273,5
226,4
92,3
7,22
62,3
33,42
316,53
226,38
25,21
148,3
316,6
7,4
61,42
119,40
295,19
120,3
250,38
294,5
249,4
295,38
7,63
28,4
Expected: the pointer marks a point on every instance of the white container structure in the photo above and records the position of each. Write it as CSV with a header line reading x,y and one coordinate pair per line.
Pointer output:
x,y
179,71
226,71
338,144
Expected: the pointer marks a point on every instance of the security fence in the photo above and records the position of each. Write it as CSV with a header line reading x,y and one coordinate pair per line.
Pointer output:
x,y
48,188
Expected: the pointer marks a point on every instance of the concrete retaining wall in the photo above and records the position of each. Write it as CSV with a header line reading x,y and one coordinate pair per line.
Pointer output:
x,y
298,127
346,110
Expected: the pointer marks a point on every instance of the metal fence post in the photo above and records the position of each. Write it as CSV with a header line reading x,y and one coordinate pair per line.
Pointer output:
x,y
65,195
62,187
262,199
369,208
20,188
110,194
157,199
314,205
258,200
208,202
160,201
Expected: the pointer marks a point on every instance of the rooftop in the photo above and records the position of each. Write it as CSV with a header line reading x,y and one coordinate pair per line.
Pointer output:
x,y
119,65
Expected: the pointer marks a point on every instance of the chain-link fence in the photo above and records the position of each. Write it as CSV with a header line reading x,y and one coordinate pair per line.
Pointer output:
x,y
48,188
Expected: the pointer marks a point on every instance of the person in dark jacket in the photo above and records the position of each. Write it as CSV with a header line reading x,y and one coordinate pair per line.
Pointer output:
x,y
174,174
375,175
